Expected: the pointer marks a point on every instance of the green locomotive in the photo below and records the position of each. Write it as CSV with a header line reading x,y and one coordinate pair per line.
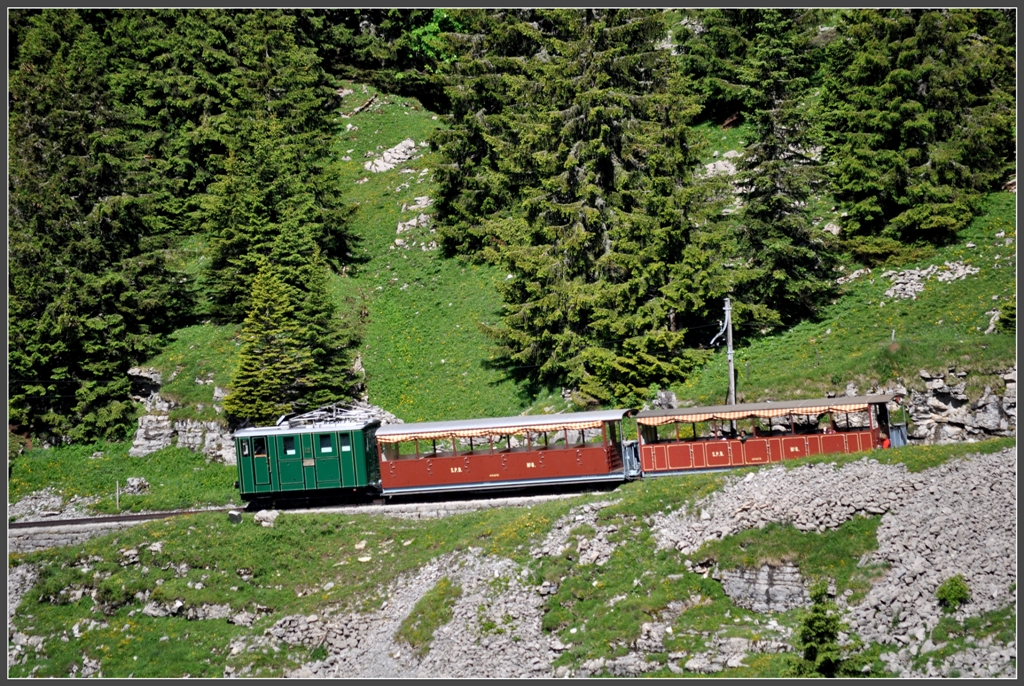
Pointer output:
x,y
318,458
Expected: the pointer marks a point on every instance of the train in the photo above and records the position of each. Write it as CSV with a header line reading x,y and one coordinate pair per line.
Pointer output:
x,y
327,454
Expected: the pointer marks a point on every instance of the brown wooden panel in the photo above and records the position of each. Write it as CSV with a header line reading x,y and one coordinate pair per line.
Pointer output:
x,y
755,451
647,458
679,456
775,449
833,443
660,458
717,453
813,443
736,453
793,447
700,460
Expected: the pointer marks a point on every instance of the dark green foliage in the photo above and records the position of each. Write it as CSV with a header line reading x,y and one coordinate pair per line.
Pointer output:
x,y
953,592
277,176
89,290
272,363
569,164
1008,316
817,639
918,106
791,262
398,50
296,260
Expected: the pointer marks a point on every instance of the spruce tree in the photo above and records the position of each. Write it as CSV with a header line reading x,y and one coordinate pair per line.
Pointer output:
x,y
273,364
570,164
297,262
919,106
90,293
791,262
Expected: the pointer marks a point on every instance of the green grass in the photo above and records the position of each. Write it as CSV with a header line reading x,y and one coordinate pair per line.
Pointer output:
x,y
292,563
206,352
717,139
178,477
1000,624
431,612
832,554
425,355
858,340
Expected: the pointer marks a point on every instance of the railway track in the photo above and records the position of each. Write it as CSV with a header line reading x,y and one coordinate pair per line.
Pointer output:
x,y
402,507
112,519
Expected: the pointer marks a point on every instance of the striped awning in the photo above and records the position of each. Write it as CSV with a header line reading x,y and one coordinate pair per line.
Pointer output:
x,y
762,410
503,426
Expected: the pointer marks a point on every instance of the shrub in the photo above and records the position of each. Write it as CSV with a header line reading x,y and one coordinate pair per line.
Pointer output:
x,y
953,592
817,642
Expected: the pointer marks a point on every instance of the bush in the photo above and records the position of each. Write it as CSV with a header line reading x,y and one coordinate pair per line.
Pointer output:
x,y
953,592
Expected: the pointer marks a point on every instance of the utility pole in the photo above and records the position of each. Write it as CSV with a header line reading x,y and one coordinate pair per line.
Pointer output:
x,y
727,330
728,344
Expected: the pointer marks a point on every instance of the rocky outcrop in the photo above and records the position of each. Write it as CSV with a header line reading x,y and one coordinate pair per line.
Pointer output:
x,y
959,519
908,283
155,431
767,589
393,157
943,413
213,439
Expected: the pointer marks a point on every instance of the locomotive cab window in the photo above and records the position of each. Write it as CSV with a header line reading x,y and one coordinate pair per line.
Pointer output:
x,y
343,439
326,444
289,445
259,447
245,448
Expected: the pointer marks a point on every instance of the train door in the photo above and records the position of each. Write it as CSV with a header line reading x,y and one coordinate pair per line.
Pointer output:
x,y
308,461
289,464
347,455
327,470
243,452
261,464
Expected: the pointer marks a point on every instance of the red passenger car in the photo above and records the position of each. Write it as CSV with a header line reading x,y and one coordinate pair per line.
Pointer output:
x,y
479,454
741,435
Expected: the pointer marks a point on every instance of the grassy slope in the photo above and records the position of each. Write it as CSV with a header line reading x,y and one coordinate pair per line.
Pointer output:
x,y
291,564
858,339
423,351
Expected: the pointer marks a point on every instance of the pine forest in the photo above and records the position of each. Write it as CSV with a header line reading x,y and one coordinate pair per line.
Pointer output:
x,y
183,169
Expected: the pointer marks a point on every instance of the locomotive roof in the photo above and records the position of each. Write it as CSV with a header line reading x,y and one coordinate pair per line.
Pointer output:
x,y
763,410
285,428
498,426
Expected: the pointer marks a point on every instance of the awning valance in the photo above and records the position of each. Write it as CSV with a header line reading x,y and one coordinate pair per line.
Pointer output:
x,y
762,410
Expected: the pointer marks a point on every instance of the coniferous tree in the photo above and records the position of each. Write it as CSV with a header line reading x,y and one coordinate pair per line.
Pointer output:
x,y
271,376
571,166
919,107
791,262
90,294
298,263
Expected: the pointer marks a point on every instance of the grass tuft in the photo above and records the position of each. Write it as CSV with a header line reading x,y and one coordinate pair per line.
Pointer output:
x,y
431,612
